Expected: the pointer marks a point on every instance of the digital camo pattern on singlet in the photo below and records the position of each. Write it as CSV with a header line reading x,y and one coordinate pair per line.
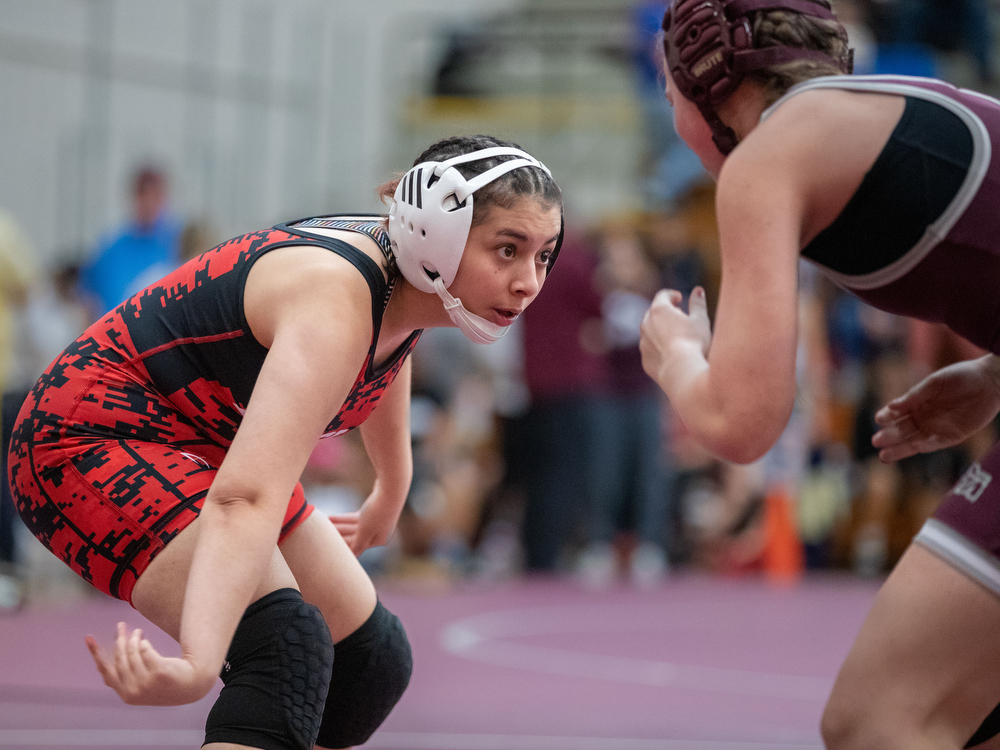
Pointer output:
x,y
117,444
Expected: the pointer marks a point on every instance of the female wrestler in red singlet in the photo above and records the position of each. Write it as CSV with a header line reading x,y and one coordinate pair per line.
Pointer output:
x,y
156,456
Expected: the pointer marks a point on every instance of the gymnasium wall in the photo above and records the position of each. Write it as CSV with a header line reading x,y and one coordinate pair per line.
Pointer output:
x,y
264,110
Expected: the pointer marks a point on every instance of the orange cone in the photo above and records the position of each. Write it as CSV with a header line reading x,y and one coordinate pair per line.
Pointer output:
x,y
784,558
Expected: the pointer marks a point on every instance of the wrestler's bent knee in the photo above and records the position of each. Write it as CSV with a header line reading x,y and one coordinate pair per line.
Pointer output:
x,y
276,676
834,726
371,670
847,722
852,724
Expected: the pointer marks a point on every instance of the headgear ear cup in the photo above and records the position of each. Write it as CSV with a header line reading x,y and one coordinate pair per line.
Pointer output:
x,y
709,50
429,222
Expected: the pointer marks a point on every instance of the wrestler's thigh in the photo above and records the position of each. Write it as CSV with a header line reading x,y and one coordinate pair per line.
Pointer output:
x,y
329,575
926,662
108,507
159,593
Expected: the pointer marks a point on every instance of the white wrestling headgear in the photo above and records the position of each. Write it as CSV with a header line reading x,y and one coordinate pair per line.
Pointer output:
x,y
429,223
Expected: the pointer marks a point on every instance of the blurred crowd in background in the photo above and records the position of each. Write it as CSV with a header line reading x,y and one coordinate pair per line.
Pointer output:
x,y
551,452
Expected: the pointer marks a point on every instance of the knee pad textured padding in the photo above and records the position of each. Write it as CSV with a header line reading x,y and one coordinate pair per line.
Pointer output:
x,y
276,676
371,669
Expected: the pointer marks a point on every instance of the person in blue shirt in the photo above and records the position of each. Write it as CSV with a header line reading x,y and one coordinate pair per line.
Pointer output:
x,y
143,250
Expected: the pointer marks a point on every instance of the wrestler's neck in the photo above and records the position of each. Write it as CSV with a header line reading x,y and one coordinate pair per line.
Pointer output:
x,y
408,310
742,110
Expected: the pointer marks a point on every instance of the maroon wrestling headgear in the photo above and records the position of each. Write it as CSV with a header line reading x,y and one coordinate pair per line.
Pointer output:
x,y
709,49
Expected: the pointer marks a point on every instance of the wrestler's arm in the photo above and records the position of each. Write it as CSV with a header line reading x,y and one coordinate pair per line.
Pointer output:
x,y
734,388
319,331
386,435
942,410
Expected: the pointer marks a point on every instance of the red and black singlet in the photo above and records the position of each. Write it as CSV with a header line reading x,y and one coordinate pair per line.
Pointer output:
x,y
117,444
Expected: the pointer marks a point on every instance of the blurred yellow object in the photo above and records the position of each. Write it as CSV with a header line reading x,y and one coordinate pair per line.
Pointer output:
x,y
18,272
518,113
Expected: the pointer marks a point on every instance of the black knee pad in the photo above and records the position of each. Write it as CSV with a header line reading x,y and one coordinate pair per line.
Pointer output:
x,y
371,669
276,676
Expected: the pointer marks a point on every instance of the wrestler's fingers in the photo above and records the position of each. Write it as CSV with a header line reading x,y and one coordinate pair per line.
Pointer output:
x,y
895,453
900,431
121,648
136,662
104,667
885,415
697,304
894,410
918,443
667,298
151,658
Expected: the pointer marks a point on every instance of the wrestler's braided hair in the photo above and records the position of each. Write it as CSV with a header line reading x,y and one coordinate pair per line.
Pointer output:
x,y
778,28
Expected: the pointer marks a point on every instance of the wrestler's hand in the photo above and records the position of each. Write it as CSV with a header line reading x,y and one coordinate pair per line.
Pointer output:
x,y
373,524
942,410
142,677
670,336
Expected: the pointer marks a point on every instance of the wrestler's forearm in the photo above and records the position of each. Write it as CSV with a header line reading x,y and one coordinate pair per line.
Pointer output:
x,y
236,541
386,435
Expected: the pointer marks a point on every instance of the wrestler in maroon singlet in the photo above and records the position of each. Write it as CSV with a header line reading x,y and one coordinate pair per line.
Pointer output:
x,y
950,274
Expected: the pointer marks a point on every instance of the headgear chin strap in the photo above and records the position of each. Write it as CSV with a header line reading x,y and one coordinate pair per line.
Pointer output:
x,y
429,223
477,329
709,50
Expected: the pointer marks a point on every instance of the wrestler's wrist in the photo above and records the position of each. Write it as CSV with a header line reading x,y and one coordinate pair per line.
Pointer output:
x,y
686,361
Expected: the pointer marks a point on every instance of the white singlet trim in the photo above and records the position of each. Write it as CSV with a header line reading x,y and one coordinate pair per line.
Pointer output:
x,y
982,152
960,553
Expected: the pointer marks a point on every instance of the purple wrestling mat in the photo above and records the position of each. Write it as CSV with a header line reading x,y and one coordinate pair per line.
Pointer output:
x,y
697,664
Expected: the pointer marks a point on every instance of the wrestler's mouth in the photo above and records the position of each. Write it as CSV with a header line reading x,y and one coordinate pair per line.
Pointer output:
x,y
504,316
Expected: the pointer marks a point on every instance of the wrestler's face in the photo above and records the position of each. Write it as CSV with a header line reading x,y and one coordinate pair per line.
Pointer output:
x,y
504,263
692,128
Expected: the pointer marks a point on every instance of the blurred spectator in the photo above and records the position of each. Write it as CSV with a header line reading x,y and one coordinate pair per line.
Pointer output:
x,y
54,315
877,357
497,538
457,462
950,26
734,536
17,273
196,238
673,168
800,451
684,245
786,464
566,372
853,15
51,316
630,485
146,248
880,486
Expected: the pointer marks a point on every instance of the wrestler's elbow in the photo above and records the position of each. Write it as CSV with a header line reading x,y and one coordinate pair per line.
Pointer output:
x,y
744,437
